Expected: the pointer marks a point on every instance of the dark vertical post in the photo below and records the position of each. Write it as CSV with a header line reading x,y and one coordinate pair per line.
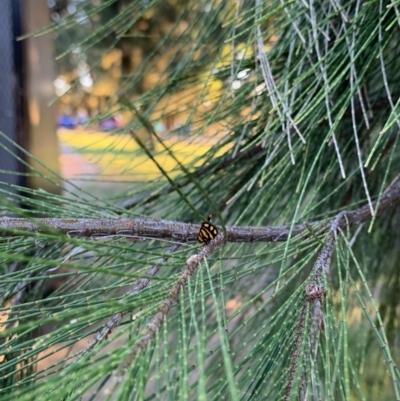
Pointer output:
x,y
9,164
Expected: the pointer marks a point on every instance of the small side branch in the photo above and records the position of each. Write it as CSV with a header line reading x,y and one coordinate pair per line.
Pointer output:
x,y
191,266
314,295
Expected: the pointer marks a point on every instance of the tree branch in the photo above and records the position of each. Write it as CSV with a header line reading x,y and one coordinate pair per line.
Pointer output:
x,y
314,294
144,228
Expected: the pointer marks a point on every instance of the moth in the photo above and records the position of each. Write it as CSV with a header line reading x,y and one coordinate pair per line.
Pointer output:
x,y
207,231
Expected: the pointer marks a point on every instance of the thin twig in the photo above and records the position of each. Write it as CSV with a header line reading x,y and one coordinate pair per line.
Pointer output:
x,y
314,294
191,266
294,360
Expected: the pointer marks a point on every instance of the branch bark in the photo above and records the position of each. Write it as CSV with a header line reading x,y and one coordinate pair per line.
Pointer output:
x,y
143,228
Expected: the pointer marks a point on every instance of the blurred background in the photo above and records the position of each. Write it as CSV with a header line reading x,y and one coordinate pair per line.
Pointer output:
x,y
64,105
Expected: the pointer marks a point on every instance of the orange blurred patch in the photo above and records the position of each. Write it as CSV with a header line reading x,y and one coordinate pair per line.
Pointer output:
x,y
233,304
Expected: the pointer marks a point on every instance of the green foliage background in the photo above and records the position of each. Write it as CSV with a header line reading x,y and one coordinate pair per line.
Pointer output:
x,y
318,109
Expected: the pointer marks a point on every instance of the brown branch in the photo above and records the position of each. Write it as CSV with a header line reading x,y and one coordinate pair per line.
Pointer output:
x,y
294,360
191,266
163,229
314,295
314,292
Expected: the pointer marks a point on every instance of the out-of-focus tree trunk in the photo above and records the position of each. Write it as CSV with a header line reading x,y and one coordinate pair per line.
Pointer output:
x,y
40,74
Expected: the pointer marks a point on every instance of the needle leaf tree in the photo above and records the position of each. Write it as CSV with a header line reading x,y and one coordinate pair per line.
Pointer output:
x,y
297,296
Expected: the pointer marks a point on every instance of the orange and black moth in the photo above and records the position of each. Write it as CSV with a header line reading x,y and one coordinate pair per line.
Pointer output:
x,y
207,231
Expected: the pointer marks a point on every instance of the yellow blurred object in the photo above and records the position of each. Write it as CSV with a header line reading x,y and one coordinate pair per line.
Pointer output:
x,y
113,57
120,156
106,86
